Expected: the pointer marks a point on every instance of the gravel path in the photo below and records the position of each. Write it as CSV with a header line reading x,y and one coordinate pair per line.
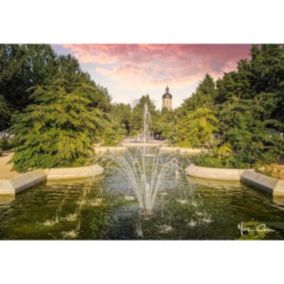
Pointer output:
x,y
6,171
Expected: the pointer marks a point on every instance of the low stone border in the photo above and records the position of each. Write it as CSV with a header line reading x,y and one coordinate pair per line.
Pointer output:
x,y
104,149
247,176
269,184
214,173
22,182
30,179
214,183
141,144
74,173
191,151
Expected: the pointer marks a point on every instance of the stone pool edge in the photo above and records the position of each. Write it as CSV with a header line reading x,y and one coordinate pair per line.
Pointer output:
x,y
249,177
30,179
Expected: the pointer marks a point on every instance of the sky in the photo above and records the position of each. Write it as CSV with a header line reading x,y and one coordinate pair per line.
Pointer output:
x,y
129,71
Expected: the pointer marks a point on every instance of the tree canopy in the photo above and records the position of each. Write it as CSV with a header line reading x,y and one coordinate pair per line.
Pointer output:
x,y
56,112
249,107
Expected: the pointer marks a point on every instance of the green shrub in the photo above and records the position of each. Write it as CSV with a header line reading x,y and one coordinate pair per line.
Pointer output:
x,y
7,143
212,159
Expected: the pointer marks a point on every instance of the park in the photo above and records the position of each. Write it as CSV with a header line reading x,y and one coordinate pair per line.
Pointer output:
x,y
76,165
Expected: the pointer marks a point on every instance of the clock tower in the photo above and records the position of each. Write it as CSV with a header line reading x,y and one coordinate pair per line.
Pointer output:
x,y
167,100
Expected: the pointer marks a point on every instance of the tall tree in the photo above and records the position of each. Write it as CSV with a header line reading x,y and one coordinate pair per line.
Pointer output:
x,y
203,97
196,128
121,113
165,127
56,130
23,67
137,114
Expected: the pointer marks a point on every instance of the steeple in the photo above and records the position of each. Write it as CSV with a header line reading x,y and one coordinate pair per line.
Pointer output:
x,y
167,99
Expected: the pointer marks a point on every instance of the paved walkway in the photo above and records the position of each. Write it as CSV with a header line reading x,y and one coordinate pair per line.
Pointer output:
x,y
6,171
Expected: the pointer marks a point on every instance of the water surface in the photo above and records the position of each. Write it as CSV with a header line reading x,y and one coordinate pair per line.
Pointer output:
x,y
105,209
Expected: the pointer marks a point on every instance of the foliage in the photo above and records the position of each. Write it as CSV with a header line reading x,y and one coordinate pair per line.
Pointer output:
x,y
113,135
248,104
165,126
22,67
121,114
203,97
56,130
196,128
137,115
60,111
5,114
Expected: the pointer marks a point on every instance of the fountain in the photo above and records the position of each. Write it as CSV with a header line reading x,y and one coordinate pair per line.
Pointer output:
x,y
146,120
145,174
144,171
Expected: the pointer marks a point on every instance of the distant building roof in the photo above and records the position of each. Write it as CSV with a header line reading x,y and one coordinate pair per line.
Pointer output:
x,y
167,94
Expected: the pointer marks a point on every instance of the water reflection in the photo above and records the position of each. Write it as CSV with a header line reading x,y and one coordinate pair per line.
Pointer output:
x,y
105,208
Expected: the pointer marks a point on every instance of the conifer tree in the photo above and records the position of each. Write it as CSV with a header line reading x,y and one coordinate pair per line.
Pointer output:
x,y
56,130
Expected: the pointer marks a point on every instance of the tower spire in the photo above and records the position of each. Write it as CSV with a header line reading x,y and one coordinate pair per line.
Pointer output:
x,y
167,99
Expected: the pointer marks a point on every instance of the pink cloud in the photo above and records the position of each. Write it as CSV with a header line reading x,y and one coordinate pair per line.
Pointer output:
x,y
159,64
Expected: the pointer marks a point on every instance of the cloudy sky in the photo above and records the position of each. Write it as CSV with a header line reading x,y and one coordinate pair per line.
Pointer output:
x,y
132,70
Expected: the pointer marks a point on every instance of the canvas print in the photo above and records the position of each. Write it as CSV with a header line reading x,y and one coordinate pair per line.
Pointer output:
x,y
141,142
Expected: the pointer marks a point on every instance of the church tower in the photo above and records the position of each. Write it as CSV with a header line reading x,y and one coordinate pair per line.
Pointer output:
x,y
167,100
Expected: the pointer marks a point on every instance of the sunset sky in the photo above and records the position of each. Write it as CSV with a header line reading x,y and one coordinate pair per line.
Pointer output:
x,y
130,71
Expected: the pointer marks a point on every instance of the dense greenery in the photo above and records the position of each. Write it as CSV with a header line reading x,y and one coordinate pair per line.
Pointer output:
x,y
249,107
56,113
56,130
195,129
5,113
23,67
136,120
239,118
